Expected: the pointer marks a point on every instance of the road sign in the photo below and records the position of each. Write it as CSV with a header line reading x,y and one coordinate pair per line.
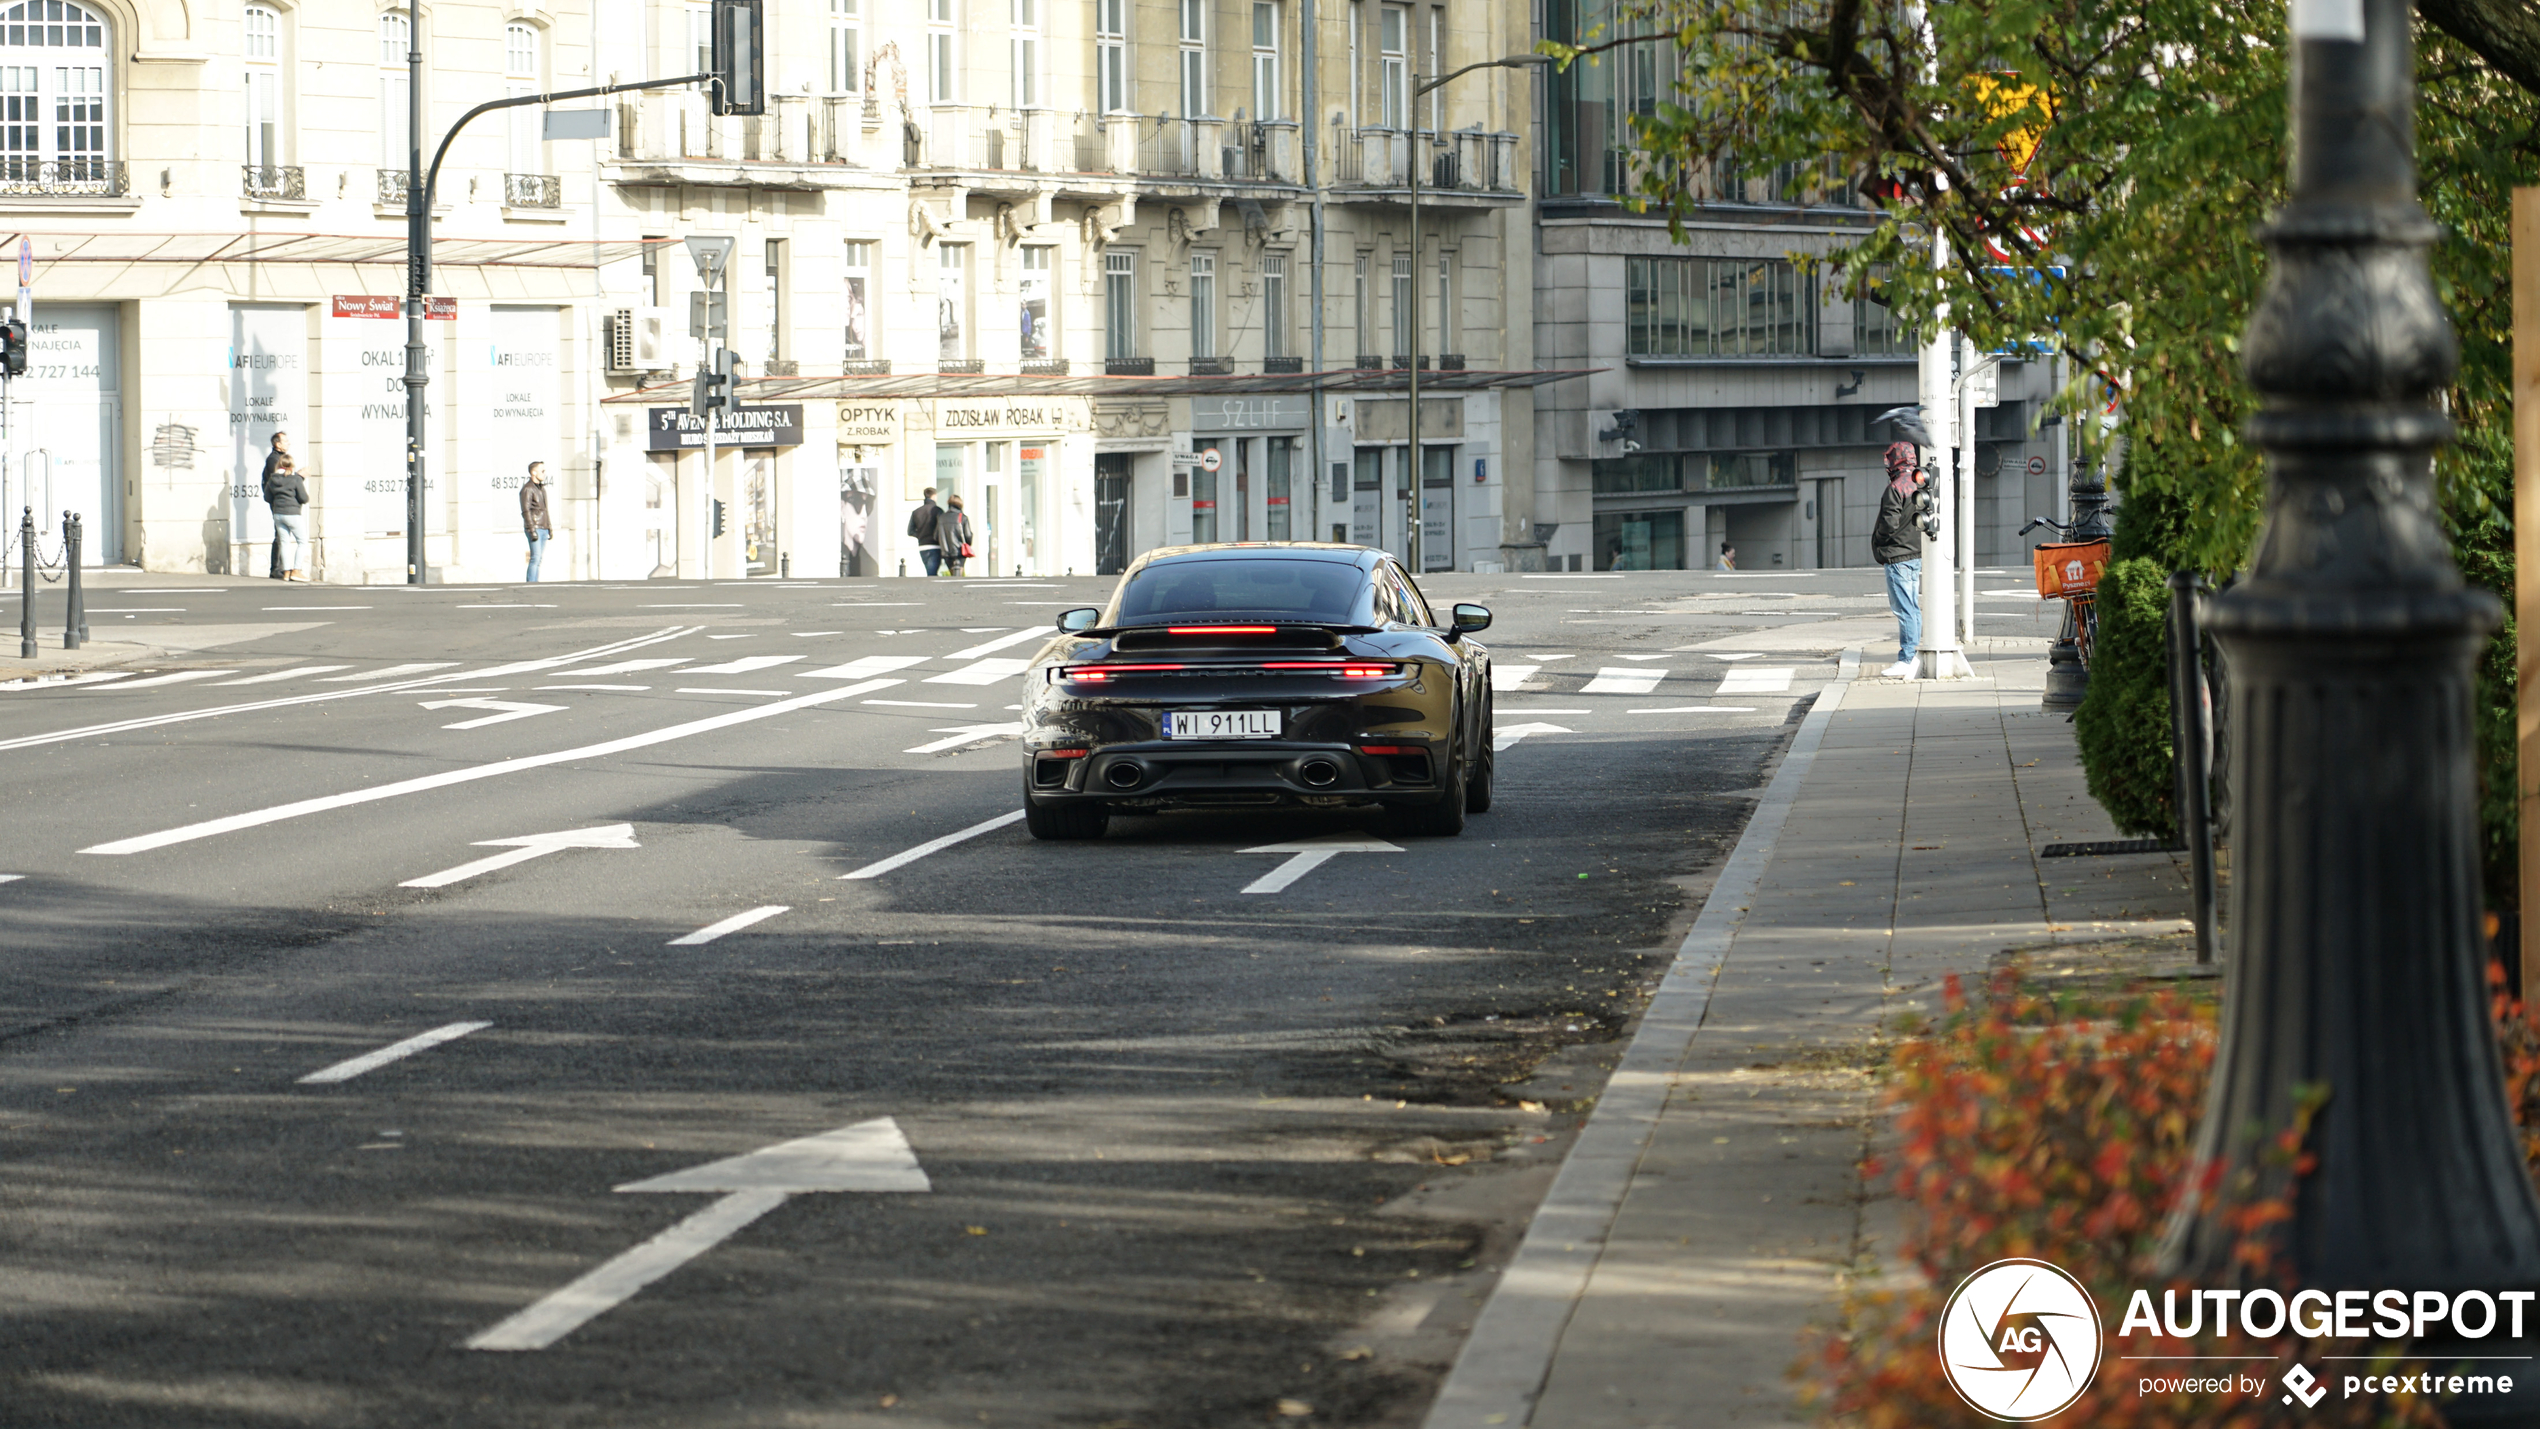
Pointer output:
x,y
1209,460
2037,466
527,847
866,1156
1312,854
710,254
1185,458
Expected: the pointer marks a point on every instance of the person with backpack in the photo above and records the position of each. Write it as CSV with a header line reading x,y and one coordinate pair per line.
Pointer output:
x,y
288,495
1907,513
921,526
954,527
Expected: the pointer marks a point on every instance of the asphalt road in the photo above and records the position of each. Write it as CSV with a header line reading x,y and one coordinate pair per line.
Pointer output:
x,y
1190,1156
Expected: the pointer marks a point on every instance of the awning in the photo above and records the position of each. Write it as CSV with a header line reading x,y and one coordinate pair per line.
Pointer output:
x,y
198,248
760,390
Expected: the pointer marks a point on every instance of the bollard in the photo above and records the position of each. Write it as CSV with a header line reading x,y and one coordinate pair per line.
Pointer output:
x,y
903,566
785,566
26,601
74,614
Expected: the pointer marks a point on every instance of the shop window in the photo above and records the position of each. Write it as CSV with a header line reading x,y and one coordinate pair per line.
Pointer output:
x,y
1640,541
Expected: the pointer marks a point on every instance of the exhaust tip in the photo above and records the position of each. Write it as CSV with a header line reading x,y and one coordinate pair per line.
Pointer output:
x,y
1123,775
1318,773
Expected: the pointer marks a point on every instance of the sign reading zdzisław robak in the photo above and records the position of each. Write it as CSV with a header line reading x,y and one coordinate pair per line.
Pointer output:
x,y
671,429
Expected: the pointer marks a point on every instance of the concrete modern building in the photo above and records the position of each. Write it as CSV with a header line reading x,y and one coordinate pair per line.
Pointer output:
x,y
1732,388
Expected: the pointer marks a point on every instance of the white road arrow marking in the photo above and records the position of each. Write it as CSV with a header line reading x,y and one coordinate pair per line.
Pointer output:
x,y
1312,854
990,647
742,666
508,710
1507,735
982,672
345,1071
964,734
867,1156
1623,680
284,675
909,856
527,847
1505,678
733,924
862,669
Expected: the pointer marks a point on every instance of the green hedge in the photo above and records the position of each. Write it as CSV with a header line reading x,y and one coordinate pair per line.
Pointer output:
x,y
2123,726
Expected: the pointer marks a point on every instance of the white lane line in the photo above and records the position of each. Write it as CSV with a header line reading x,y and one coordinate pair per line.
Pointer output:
x,y
1510,735
712,690
1747,680
257,818
317,607
695,605
902,860
595,687
746,635
982,672
613,1284
283,675
435,682
861,604
921,704
1543,712
392,672
990,647
16,686
1700,709
733,924
1623,680
394,1051
807,634
1644,657
178,590
742,666
965,734
180,677
503,605
1505,678
1311,854
136,610
11,877
504,710
527,847
863,669
623,667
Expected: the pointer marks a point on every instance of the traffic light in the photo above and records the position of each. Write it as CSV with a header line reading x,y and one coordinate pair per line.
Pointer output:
x,y
13,347
703,395
718,518
739,52
728,381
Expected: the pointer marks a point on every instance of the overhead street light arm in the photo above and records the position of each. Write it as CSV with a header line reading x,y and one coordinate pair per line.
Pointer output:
x,y
1510,62
432,179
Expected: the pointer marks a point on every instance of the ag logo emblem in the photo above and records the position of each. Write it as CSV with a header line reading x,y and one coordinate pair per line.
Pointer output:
x,y
2020,1340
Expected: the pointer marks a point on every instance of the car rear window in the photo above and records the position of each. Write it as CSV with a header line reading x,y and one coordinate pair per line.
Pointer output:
x,y
1309,592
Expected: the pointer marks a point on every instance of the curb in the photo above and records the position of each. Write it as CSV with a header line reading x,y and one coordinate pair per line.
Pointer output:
x,y
1508,1356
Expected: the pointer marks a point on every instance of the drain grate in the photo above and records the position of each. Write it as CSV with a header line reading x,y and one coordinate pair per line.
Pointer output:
x,y
2109,847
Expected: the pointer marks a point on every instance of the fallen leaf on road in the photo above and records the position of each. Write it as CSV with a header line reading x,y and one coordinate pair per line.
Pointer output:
x,y
889,1399
1358,1352
976,1230
1294,1409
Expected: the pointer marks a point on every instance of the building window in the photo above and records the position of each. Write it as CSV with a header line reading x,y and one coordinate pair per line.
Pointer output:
x,y
1733,471
1446,302
1393,85
1637,475
1640,541
1038,343
1194,57
1404,339
264,87
1027,54
520,76
1274,305
1718,307
1281,483
396,40
1111,53
859,286
1120,303
1265,60
775,300
1429,69
952,266
940,74
1357,29
846,46
1875,330
700,39
1203,306
1362,316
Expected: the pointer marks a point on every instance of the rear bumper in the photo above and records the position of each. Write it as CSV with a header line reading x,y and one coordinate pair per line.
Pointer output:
x,y
1179,774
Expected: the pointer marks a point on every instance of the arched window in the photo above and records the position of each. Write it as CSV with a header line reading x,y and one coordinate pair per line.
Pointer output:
x,y
263,87
53,92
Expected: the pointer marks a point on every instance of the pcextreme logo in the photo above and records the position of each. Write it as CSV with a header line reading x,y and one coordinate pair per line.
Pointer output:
x,y
2019,1340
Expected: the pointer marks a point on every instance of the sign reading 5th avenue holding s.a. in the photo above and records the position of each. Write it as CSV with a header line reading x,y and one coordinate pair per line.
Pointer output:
x,y
672,429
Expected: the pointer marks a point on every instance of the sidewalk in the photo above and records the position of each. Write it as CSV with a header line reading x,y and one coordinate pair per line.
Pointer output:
x,y
1704,1217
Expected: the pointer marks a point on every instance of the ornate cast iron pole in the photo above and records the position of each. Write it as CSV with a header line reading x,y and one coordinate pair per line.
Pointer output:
x,y
2356,891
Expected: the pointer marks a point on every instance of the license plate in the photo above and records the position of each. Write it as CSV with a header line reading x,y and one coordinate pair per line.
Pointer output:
x,y
1221,724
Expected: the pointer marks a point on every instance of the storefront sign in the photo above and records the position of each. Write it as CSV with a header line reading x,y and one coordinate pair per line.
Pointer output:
x,y
1440,418
389,305
867,421
1039,416
1250,414
671,429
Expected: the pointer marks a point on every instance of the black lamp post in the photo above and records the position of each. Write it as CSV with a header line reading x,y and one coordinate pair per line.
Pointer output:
x,y
2067,680
2356,892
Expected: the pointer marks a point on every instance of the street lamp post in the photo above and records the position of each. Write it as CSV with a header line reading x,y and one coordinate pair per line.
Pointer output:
x,y
2351,643
1411,509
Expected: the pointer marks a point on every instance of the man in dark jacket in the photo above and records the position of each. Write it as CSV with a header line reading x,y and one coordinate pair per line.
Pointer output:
x,y
1897,543
288,495
281,448
533,515
921,525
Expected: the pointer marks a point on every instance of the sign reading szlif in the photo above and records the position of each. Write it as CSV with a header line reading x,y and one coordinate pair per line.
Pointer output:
x,y
671,429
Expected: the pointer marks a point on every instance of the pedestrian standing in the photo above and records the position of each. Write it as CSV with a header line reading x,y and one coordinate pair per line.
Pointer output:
x,y
1728,558
954,527
533,515
288,495
921,525
281,448
1896,541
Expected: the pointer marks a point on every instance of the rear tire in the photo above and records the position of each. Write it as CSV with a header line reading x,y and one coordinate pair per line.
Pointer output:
x,y
1064,821
1477,789
1443,819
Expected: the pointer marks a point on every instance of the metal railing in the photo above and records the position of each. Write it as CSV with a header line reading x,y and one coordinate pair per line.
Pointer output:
x,y
104,178
531,191
392,188
1460,161
1128,367
283,181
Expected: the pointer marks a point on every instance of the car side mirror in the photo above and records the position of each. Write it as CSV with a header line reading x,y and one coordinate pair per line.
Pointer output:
x,y
1073,621
1469,618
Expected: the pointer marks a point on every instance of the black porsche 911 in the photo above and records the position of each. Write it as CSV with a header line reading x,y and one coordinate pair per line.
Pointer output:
x,y
1259,675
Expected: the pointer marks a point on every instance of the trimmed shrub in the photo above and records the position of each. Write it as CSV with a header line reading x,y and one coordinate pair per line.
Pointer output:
x,y
2123,725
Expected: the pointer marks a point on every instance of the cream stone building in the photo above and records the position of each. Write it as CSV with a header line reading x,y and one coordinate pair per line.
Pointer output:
x,y
1058,257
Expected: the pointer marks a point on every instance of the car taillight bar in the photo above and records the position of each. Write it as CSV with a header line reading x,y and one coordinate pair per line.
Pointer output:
x,y
1064,753
1097,674
1328,667
1389,749
1221,630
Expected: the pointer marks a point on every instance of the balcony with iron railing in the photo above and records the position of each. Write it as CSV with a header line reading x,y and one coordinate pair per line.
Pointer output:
x,y
289,182
1460,162
91,178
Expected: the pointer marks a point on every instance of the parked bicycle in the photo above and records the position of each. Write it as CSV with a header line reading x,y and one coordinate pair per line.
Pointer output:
x,y
2069,571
